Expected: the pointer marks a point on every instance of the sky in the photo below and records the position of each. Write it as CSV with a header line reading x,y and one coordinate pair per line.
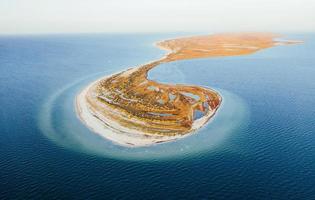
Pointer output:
x,y
68,16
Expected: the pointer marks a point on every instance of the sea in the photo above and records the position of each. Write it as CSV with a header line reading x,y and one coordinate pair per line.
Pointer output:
x,y
259,145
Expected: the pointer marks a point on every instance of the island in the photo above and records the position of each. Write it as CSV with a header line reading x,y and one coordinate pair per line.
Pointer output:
x,y
131,110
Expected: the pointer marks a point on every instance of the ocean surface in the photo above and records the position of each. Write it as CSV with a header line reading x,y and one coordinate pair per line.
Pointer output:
x,y
260,144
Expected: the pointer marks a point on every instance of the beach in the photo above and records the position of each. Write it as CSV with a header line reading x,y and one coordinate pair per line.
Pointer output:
x,y
120,135
132,111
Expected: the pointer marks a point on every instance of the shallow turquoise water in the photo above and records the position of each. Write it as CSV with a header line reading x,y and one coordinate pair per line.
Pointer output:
x,y
259,146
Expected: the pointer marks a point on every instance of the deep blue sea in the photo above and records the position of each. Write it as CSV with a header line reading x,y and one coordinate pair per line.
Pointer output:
x,y
260,145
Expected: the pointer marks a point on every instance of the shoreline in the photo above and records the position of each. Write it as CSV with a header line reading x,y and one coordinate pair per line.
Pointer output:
x,y
133,111
125,138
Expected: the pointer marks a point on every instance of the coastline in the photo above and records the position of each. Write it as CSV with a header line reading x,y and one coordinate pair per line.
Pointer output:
x,y
122,135
133,111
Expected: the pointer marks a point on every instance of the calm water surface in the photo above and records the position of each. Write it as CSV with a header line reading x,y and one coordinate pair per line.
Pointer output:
x,y
261,145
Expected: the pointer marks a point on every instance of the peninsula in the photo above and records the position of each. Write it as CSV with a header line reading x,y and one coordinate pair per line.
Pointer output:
x,y
131,110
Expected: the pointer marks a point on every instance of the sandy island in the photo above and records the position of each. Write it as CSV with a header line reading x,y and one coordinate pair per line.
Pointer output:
x,y
132,111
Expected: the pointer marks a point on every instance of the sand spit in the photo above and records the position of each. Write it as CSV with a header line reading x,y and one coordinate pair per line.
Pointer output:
x,y
132,111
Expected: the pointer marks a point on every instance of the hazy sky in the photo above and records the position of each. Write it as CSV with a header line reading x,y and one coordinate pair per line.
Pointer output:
x,y
53,16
